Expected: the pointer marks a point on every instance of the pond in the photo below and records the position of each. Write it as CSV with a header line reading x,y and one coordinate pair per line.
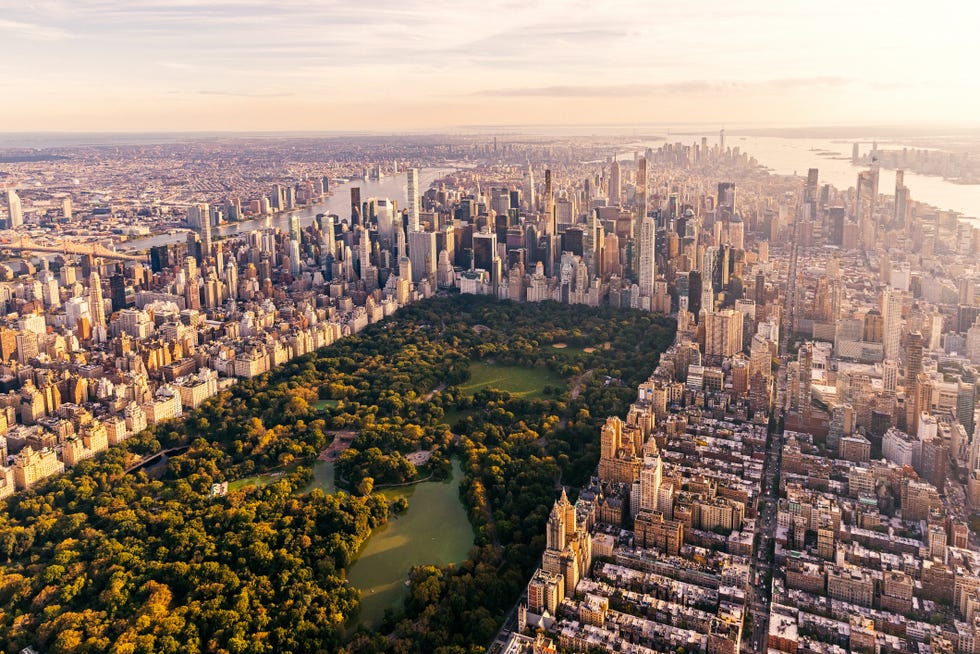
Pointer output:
x,y
323,477
435,530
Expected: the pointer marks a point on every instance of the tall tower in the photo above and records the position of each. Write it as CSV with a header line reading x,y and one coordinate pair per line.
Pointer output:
x,y
414,201
647,268
328,247
295,240
902,201
641,189
96,305
355,205
892,316
16,209
812,184
615,183
364,250
726,201
549,205
555,539
205,231
529,188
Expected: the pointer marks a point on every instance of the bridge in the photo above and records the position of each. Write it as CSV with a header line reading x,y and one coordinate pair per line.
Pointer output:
x,y
25,244
151,459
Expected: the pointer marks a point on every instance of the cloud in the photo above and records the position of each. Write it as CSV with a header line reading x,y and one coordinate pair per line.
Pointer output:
x,y
690,87
32,30
248,94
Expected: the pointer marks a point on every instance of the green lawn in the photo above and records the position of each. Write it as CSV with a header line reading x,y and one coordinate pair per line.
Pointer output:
x,y
525,382
325,404
569,352
455,415
257,480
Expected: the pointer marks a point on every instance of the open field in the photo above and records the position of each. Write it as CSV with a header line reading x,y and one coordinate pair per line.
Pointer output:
x,y
524,382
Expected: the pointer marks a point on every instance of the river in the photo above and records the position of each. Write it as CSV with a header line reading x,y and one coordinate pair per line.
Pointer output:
x,y
790,156
393,187
832,157
435,530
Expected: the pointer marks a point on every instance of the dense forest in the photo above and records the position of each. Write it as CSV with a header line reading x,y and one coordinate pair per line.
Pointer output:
x,y
99,560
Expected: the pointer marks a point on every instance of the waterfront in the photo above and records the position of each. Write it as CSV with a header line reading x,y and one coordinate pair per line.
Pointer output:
x,y
832,157
435,530
787,156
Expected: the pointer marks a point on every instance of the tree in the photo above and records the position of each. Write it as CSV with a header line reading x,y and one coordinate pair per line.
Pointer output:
x,y
365,486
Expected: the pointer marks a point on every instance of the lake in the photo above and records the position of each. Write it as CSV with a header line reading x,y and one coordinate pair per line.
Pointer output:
x,y
323,477
435,530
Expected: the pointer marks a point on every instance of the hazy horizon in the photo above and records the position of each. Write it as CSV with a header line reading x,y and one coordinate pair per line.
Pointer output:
x,y
245,65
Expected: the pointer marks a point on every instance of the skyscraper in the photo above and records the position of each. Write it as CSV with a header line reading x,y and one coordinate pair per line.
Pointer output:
x,y
96,305
295,240
15,208
726,201
902,201
891,302
117,291
615,183
864,207
355,205
205,231
328,247
549,204
641,189
647,268
812,184
529,188
414,201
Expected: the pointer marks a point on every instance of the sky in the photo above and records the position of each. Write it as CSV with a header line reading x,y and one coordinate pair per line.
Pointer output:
x,y
384,66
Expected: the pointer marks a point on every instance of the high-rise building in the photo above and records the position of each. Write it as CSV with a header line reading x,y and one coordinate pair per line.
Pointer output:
x,y
423,255
891,302
615,183
96,305
913,355
903,202
549,205
295,241
529,198
414,200
812,184
117,291
966,404
647,268
726,201
15,208
641,189
723,333
328,246
864,207
355,205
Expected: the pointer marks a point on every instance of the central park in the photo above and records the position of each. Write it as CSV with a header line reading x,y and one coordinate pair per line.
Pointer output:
x,y
449,427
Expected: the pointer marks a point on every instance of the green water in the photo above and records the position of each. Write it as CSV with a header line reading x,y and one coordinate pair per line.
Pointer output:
x,y
434,531
323,477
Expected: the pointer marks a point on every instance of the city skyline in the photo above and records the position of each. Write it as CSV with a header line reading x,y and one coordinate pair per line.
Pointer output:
x,y
107,66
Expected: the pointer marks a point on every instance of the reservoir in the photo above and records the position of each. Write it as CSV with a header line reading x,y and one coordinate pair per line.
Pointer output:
x,y
435,530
